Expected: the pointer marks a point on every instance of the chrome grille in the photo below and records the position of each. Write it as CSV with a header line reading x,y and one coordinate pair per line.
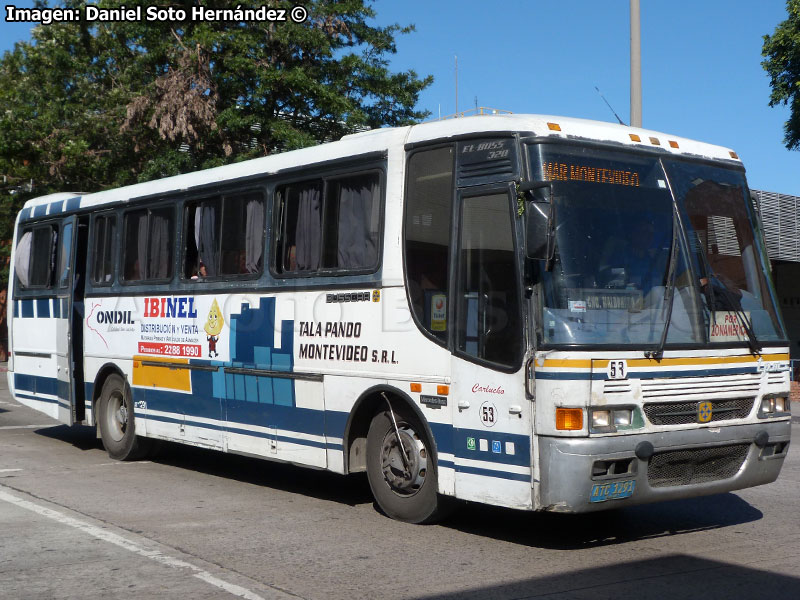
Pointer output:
x,y
681,413
697,465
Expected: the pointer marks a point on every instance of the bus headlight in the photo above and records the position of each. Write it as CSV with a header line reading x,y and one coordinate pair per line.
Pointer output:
x,y
774,406
607,420
601,418
623,417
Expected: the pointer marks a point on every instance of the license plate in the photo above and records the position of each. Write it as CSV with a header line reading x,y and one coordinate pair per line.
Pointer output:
x,y
613,490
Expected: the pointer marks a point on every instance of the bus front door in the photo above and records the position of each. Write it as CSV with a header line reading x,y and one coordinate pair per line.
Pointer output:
x,y
68,311
492,420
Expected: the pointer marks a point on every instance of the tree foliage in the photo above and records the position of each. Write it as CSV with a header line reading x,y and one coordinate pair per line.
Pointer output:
x,y
86,106
782,62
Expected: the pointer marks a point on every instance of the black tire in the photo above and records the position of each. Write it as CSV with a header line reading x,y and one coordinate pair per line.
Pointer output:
x,y
406,491
116,422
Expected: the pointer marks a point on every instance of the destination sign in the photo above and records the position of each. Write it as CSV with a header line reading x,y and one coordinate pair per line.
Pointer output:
x,y
583,299
562,171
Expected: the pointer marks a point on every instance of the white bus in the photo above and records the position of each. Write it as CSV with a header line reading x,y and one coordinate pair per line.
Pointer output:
x,y
533,312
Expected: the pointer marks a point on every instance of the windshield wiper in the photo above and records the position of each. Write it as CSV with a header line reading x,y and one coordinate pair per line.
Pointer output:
x,y
732,302
668,292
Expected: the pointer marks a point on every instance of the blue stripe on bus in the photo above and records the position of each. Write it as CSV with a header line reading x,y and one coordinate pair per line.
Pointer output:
x,y
26,309
237,412
73,203
43,308
187,408
32,397
585,375
227,427
36,384
522,446
491,473
25,214
40,211
17,304
56,207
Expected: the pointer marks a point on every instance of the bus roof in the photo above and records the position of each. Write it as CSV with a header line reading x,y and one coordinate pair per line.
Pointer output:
x,y
378,140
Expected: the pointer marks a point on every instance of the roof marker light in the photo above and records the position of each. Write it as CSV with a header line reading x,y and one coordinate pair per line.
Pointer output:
x,y
734,155
634,137
655,141
673,144
554,127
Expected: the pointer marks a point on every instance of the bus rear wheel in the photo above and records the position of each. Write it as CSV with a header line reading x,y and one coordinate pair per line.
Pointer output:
x,y
117,424
400,468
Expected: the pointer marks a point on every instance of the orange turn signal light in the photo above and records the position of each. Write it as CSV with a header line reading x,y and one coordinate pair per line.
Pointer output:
x,y
673,144
443,390
634,137
554,127
569,419
416,387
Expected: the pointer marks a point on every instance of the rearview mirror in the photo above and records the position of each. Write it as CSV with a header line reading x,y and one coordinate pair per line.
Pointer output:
x,y
538,218
537,229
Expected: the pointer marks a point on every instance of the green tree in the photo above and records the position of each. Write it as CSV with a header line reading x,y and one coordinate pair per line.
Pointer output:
x,y
782,62
86,106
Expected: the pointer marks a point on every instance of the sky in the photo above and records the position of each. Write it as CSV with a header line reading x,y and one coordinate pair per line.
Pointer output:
x,y
701,66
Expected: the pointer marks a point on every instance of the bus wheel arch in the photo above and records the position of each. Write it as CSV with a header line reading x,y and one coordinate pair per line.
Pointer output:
x,y
105,371
114,416
399,455
370,403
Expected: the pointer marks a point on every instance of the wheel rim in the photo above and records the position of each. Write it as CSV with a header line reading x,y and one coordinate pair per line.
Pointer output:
x,y
405,478
116,416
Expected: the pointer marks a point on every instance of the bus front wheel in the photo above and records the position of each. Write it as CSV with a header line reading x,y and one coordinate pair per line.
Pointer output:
x,y
116,421
400,468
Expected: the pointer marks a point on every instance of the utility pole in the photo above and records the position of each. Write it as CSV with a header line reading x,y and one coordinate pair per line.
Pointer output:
x,y
636,66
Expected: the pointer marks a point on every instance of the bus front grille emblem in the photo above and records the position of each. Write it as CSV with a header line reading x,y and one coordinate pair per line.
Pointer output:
x,y
703,412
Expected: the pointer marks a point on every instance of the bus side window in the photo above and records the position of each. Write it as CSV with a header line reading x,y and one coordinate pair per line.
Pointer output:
x,y
35,261
147,251
202,234
22,258
242,234
300,209
429,204
103,257
489,323
351,222
224,236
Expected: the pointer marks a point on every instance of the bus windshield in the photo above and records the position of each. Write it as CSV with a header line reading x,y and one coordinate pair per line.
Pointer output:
x,y
622,272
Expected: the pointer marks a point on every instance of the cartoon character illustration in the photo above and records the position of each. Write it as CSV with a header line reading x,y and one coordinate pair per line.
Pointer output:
x,y
213,327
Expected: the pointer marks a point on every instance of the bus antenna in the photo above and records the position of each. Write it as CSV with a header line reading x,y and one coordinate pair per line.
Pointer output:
x,y
609,106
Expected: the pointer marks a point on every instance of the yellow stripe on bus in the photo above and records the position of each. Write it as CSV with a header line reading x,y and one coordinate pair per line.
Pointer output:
x,y
664,362
167,376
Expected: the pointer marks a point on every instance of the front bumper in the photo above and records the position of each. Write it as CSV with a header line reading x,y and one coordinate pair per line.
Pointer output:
x,y
566,474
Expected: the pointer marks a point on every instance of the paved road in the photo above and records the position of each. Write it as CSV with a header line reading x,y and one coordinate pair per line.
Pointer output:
x,y
197,524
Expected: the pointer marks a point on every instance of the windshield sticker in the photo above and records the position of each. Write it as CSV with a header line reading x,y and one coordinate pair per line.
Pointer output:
x,y
728,327
577,305
606,299
662,184
439,312
558,171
